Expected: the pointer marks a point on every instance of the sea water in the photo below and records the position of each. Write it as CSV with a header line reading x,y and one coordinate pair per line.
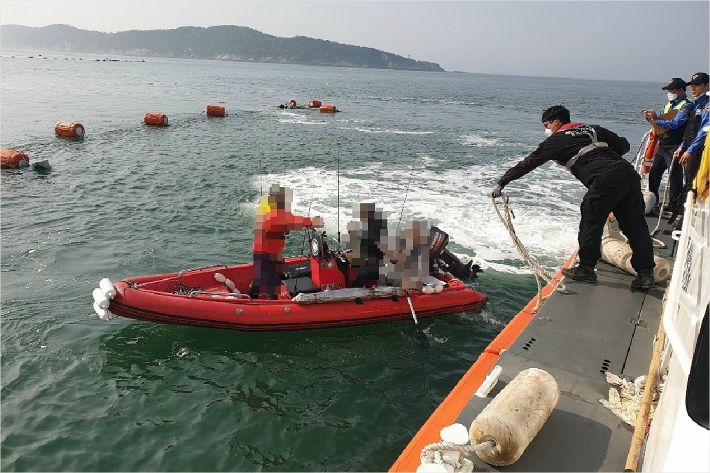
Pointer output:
x,y
81,394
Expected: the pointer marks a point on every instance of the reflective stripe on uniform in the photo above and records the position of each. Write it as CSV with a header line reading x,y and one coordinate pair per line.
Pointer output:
x,y
587,149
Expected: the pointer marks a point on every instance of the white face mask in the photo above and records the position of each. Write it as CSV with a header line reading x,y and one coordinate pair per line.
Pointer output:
x,y
671,97
548,132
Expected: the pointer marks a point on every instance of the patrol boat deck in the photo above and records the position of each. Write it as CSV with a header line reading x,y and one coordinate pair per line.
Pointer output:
x,y
576,337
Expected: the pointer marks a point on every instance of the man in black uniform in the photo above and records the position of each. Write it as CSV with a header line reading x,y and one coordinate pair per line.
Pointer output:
x,y
593,155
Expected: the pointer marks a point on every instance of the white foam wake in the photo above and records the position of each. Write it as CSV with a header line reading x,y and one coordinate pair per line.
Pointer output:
x,y
458,201
393,131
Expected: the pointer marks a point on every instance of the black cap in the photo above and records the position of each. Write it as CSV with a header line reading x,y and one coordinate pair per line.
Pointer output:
x,y
698,78
675,83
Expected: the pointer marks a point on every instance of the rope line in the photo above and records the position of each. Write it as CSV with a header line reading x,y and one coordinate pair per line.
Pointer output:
x,y
506,216
432,452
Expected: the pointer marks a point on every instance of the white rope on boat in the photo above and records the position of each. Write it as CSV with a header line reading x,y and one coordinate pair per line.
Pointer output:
x,y
505,214
432,452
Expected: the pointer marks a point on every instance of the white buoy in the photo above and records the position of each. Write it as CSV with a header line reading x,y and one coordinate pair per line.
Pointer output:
x,y
456,434
230,285
515,416
438,289
100,298
426,289
104,314
219,277
649,201
107,287
618,253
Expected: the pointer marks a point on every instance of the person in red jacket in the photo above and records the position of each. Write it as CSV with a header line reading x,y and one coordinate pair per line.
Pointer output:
x,y
270,238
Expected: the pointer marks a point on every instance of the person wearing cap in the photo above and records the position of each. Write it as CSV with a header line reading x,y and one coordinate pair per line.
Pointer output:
x,y
690,150
270,238
680,106
593,155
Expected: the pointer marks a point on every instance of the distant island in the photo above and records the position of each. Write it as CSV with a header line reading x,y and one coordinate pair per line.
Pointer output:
x,y
229,43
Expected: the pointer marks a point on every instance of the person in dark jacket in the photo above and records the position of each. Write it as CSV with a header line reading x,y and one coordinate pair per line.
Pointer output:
x,y
366,235
593,155
690,150
677,111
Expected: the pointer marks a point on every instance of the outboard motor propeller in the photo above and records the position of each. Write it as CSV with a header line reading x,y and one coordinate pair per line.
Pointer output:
x,y
446,260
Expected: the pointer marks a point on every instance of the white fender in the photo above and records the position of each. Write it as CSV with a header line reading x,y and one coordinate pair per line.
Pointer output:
x,y
104,314
107,287
100,298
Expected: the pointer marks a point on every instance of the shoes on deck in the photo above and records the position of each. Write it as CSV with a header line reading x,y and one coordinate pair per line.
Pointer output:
x,y
643,282
581,273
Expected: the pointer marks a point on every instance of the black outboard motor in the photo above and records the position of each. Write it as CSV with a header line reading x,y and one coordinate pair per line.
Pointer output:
x,y
446,260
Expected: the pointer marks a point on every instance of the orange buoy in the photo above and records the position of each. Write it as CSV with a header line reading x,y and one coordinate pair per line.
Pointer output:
x,y
11,159
69,130
314,104
155,119
216,111
651,148
328,108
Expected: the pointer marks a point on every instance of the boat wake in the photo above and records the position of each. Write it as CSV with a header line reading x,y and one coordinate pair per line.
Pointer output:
x,y
457,200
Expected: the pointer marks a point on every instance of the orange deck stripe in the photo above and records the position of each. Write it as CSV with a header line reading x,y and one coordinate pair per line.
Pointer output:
x,y
451,407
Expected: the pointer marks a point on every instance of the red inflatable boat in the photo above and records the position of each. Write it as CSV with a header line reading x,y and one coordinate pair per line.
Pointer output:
x,y
314,294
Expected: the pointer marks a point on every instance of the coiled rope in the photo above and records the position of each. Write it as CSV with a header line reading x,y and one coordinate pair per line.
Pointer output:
x,y
432,453
506,216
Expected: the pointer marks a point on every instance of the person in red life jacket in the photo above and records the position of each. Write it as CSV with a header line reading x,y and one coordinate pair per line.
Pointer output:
x,y
593,155
270,238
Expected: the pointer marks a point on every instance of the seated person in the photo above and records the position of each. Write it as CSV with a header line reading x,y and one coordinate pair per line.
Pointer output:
x,y
406,261
366,233
270,238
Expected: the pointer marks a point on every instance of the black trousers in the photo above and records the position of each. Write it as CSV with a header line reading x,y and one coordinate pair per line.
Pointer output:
x,y
266,277
662,161
618,190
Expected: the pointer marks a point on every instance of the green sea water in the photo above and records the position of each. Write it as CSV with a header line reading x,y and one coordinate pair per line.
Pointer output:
x,y
81,394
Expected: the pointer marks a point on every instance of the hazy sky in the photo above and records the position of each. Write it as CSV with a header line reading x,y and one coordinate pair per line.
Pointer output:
x,y
598,40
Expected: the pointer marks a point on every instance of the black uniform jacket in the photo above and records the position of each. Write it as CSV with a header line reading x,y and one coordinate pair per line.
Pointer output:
x,y
565,144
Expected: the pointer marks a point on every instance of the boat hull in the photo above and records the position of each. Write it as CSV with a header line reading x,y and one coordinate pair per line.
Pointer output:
x,y
141,299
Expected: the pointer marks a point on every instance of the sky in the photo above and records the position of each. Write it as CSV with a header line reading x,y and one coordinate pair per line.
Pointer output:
x,y
633,40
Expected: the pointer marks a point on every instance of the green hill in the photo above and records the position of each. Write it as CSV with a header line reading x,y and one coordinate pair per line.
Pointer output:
x,y
232,43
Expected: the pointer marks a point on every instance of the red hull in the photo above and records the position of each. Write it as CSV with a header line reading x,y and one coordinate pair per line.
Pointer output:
x,y
153,298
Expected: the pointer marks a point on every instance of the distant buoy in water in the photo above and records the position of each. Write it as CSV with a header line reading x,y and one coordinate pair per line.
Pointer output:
x,y
11,159
216,111
155,119
315,104
69,130
328,108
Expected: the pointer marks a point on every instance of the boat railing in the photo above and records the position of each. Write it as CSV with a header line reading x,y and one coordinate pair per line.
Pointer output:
x,y
689,289
201,268
676,440
638,159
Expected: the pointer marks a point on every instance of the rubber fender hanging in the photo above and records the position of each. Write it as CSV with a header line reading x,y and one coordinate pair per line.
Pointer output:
x,y
216,111
11,159
155,119
315,104
69,130
328,108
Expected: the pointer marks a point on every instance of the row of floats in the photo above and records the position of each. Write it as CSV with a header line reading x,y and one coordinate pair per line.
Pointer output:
x,y
12,159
